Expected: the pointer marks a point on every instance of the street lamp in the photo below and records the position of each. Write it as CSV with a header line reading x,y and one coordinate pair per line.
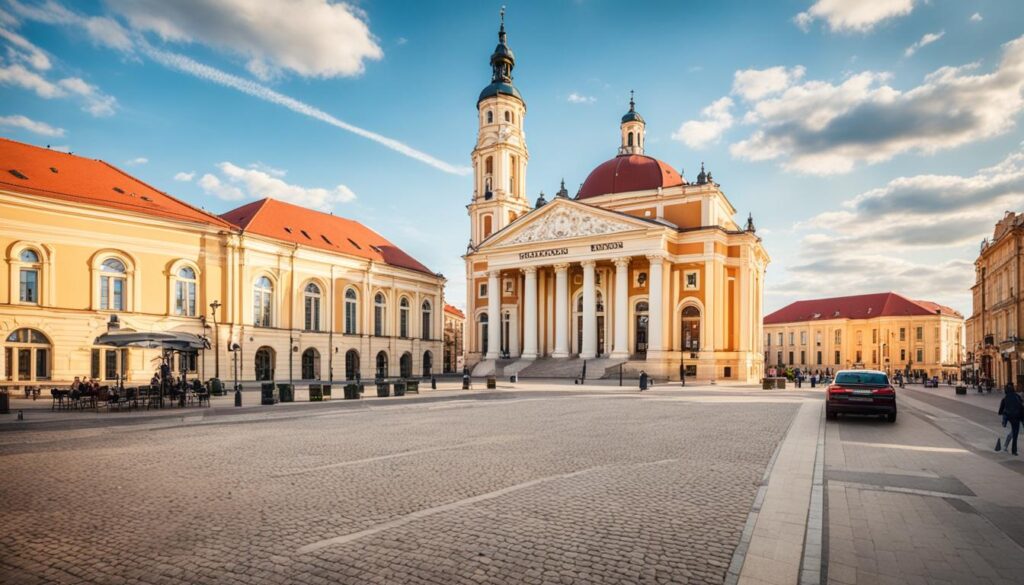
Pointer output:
x,y
216,340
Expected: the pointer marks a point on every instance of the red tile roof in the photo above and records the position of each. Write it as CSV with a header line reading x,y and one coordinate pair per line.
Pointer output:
x,y
629,172
42,172
454,311
887,304
291,223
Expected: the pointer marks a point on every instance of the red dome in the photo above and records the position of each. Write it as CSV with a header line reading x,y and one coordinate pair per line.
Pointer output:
x,y
625,173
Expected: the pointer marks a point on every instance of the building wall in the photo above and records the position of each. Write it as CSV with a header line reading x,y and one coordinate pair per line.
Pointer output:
x,y
74,240
884,343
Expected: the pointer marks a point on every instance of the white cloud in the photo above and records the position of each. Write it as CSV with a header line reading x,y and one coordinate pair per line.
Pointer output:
x,y
19,76
853,15
137,161
25,123
575,98
926,40
97,103
268,169
817,127
976,17
184,177
102,30
915,235
313,38
240,183
716,119
755,84
192,67
24,50
211,185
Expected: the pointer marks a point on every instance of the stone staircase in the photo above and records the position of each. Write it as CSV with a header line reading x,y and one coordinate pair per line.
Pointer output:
x,y
567,368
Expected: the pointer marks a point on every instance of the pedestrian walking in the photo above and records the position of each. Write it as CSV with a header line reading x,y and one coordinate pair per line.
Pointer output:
x,y
1012,408
643,380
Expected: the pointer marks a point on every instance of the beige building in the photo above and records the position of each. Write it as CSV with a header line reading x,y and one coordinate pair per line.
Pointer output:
x,y
994,349
641,268
304,295
883,331
454,339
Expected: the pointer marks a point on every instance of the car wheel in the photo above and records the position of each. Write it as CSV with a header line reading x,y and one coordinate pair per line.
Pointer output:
x,y
891,417
831,415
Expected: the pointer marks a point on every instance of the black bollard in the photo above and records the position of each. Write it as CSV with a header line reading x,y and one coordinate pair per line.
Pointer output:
x,y
433,382
238,396
21,415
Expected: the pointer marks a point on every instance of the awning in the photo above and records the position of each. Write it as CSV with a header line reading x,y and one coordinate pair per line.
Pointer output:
x,y
174,340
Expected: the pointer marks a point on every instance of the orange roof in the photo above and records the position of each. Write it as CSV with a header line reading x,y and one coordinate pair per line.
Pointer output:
x,y
454,311
33,170
869,306
291,223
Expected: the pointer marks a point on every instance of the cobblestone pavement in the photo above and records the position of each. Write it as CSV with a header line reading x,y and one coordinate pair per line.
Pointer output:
x,y
571,489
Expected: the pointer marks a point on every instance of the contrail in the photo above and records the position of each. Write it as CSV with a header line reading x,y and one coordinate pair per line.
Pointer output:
x,y
192,67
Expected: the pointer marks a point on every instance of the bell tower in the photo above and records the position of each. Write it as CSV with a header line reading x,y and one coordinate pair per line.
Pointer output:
x,y
633,129
500,155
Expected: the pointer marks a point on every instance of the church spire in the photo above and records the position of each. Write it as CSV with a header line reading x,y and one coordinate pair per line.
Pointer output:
x,y
632,129
503,61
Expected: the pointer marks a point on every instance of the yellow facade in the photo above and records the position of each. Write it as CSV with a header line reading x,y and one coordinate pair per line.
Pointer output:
x,y
922,343
71,242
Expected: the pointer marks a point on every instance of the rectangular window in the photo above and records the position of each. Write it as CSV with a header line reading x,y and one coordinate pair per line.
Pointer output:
x,y
8,362
185,298
903,355
110,365
874,336
791,338
29,286
903,333
839,337
94,370
118,300
938,355
874,356
482,290
350,317
818,362
791,358
803,357
780,343
803,338
920,355
692,280
378,321
859,356
768,340
919,334
42,364
837,359
779,361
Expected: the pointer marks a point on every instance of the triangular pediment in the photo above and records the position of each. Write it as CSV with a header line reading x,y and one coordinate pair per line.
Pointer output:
x,y
564,219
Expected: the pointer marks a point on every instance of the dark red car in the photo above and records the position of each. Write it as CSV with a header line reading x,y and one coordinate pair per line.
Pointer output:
x,y
861,392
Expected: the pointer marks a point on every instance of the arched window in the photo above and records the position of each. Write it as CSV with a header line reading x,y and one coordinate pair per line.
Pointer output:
x,y
264,366
185,292
351,311
405,365
508,116
512,173
113,277
379,313
27,355
691,328
311,303
351,364
427,317
490,117
482,332
262,301
382,364
489,165
311,364
428,364
403,317
487,225
28,276
629,140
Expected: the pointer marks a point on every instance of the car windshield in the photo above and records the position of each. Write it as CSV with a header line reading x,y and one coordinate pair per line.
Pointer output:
x,y
862,378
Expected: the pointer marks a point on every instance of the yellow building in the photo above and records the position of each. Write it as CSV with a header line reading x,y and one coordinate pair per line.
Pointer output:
x,y
994,348
641,267
883,331
304,295
454,339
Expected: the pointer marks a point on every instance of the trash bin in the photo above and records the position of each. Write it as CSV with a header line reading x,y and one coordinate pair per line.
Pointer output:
x,y
286,392
351,392
327,391
492,382
767,383
961,389
316,393
216,387
513,378
269,394
400,387
412,386
465,381
383,388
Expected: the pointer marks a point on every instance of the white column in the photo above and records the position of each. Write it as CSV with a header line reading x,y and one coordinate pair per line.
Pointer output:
x,y
561,306
530,313
656,326
513,332
589,349
493,315
709,342
621,334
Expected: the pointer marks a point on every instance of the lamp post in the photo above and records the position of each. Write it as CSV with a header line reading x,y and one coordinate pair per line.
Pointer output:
x,y
216,340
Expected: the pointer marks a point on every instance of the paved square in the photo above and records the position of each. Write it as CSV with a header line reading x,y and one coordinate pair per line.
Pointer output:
x,y
525,489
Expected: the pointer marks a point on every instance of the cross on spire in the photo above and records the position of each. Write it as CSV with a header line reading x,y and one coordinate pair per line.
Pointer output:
x,y
632,104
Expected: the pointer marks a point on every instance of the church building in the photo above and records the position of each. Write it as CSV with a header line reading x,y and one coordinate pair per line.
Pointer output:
x,y
640,269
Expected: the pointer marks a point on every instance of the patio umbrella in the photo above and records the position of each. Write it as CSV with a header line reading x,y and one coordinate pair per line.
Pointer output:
x,y
173,340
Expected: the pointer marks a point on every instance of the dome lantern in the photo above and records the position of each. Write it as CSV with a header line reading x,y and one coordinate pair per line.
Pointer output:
x,y
632,130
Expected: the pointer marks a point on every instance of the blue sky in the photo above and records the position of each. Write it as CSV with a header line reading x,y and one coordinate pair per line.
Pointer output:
x,y
875,142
